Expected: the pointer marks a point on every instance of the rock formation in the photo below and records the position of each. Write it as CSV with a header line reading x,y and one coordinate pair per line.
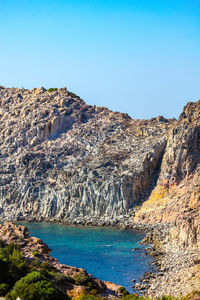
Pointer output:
x,y
63,160
175,199
174,208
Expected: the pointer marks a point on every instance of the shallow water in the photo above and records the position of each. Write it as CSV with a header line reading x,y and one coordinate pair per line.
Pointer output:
x,y
103,252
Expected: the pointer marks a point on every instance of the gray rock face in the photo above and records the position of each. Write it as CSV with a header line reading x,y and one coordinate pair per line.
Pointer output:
x,y
182,155
63,160
175,199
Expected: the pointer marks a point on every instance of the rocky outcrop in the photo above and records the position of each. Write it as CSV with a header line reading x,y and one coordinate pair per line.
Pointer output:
x,y
175,200
36,253
173,210
63,160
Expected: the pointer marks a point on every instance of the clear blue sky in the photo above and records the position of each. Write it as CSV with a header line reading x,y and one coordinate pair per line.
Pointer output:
x,y
136,56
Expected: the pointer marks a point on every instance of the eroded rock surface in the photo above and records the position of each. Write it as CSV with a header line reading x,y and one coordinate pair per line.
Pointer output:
x,y
63,160
175,200
173,208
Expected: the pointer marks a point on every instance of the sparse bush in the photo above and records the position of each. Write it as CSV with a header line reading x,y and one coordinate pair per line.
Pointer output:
x,y
81,278
193,295
52,89
92,288
36,253
123,291
88,297
34,286
4,288
46,266
69,279
35,263
12,264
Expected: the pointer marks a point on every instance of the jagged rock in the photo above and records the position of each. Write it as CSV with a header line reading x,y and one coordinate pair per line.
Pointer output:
x,y
174,206
175,199
63,160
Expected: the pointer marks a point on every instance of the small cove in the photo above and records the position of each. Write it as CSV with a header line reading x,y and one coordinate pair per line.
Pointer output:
x,y
103,252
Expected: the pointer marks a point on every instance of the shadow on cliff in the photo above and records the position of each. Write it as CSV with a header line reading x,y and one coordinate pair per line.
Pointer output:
x,y
153,181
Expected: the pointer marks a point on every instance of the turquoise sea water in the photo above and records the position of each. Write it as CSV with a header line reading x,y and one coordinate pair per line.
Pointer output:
x,y
103,252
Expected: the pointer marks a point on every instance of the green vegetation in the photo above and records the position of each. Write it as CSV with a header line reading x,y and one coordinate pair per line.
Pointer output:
x,y
81,278
88,297
12,264
134,297
70,93
192,295
35,263
46,267
123,291
36,253
4,288
127,297
84,279
19,279
166,298
34,286
35,280
52,89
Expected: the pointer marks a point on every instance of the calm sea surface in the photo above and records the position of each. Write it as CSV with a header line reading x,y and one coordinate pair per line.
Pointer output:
x,y
103,252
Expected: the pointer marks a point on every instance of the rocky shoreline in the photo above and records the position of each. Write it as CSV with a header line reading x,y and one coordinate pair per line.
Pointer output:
x,y
175,273
35,250
165,274
122,221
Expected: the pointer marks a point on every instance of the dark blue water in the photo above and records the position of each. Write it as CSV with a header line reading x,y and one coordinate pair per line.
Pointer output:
x,y
103,252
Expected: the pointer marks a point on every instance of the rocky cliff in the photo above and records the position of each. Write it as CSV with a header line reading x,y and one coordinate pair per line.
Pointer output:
x,y
175,200
173,208
63,160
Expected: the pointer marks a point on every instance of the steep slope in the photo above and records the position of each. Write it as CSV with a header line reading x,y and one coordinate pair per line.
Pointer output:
x,y
63,160
176,197
173,209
